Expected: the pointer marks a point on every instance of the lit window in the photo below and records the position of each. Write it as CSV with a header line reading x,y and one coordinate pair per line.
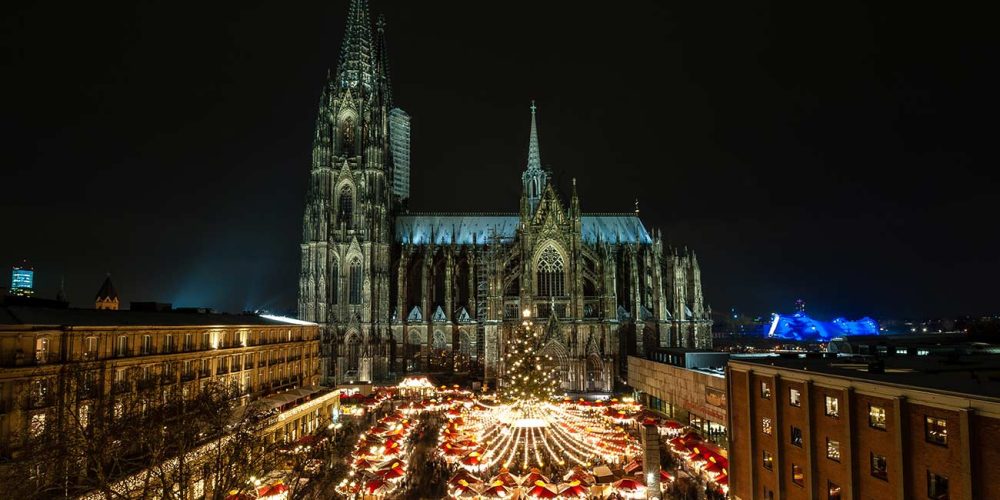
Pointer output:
x,y
937,486
37,424
876,417
796,436
768,460
765,390
833,491
936,430
833,449
879,467
798,476
794,397
765,425
832,406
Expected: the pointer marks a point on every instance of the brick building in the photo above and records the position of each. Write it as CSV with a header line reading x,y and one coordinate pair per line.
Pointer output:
x,y
903,427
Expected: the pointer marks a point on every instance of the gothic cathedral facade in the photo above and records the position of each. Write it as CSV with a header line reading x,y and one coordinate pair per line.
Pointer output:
x,y
397,292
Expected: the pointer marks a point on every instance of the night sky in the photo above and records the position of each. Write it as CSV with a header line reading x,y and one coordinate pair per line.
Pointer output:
x,y
839,152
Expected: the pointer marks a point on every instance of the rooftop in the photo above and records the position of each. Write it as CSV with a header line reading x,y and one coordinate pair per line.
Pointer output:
x,y
975,375
47,316
477,228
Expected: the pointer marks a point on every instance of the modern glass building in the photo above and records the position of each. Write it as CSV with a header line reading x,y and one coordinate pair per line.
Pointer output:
x,y
399,141
22,280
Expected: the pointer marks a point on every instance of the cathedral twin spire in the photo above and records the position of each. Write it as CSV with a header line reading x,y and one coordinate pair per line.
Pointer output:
x,y
355,67
534,177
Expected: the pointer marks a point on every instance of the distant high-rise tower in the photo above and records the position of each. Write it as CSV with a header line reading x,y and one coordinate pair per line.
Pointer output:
x,y
399,143
22,279
107,296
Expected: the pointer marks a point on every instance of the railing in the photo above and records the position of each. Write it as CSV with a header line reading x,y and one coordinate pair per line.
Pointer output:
x,y
88,356
203,373
122,387
186,376
41,401
45,357
122,352
220,370
146,383
168,378
88,392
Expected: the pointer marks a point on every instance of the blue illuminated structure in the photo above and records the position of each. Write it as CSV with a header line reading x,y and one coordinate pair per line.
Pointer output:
x,y
22,280
798,326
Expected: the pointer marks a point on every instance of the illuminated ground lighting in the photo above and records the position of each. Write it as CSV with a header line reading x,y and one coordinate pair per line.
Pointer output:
x,y
530,422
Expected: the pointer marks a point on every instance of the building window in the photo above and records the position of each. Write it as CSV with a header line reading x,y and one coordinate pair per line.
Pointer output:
x,y
550,272
937,486
42,350
794,397
879,467
768,460
833,449
832,491
37,425
346,203
798,477
147,344
796,436
765,390
355,282
121,346
876,417
832,406
936,430
91,348
765,426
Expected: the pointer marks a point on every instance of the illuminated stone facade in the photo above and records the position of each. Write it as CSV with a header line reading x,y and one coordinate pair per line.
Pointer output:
x,y
397,292
54,361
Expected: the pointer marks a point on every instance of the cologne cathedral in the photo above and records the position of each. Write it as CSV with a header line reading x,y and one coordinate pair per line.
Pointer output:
x,y
397,291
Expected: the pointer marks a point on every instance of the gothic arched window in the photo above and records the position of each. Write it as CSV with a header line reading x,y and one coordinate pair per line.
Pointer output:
x,y
347,137
346,204
550,273
355,297
335,282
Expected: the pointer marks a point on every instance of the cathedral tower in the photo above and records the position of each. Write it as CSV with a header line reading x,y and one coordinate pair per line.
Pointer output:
x,y
347,231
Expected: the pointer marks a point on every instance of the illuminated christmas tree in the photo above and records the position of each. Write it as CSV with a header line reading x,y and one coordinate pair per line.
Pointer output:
x,y
527,375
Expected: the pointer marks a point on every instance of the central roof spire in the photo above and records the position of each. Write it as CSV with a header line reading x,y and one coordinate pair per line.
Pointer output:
x,y
533,179
534,159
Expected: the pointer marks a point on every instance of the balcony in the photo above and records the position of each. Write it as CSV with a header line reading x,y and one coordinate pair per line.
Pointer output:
x,y
89,356
204,373
147,383
88,391
147,350
222,370
122,387
168,378
122,352
45,357
186,376
41,400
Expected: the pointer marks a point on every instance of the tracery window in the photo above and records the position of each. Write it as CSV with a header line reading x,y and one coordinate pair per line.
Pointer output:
x,y
550,273
346,203
355,297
